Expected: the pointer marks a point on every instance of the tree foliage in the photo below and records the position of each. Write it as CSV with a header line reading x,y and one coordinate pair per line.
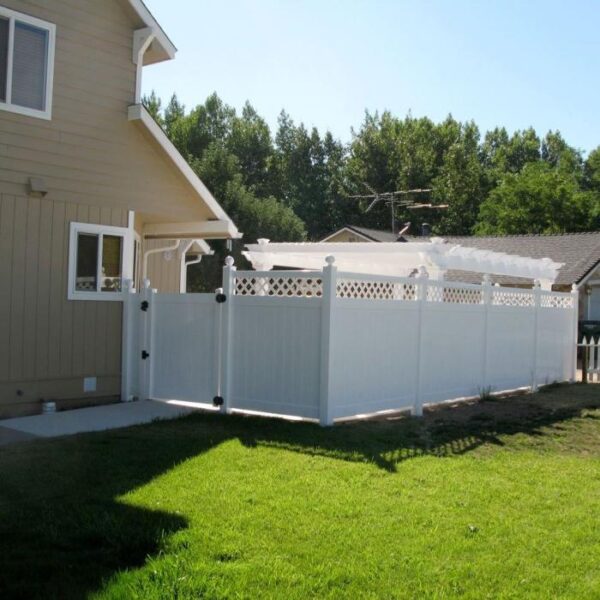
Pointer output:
x,y
296,183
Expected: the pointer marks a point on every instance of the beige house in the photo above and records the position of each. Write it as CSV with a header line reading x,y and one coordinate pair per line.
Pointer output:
x,y
89,184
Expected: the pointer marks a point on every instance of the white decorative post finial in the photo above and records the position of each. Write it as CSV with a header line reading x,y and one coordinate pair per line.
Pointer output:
x,y
487,280
229,261
330,259
423,272
146,283
536,283
263,241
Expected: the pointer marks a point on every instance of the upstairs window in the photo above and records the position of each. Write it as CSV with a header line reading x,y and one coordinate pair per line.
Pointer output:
x,y
26,64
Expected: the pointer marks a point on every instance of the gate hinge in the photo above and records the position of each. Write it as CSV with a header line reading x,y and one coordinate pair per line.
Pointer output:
x,y
145,355
220,298
144,305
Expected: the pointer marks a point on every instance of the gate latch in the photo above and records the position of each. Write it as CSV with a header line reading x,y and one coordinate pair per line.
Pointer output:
x,y
145,355
144,305
220,298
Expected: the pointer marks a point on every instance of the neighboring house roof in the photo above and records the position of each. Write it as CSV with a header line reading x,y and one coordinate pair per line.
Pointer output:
x,y
372,235
580,252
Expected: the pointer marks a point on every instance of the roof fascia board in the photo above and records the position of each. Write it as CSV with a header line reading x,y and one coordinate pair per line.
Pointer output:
x,y
589,273
195,230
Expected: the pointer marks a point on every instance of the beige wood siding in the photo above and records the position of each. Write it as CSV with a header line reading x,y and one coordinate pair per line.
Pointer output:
x,y
48,343
163,274
89,153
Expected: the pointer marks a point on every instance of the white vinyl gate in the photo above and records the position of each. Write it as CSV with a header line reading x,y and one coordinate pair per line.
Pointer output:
x,y
326,345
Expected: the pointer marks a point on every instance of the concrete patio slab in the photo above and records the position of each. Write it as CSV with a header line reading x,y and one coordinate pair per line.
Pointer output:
x,y
96,418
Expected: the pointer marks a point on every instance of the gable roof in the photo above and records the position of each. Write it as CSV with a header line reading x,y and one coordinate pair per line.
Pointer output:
x,y
161,48
373,235
139,114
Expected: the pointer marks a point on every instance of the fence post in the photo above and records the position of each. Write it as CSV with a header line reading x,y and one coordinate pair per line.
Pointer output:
x,y
537,297
486,300
328,297
223,397
129,313
575,336
423,277
146,332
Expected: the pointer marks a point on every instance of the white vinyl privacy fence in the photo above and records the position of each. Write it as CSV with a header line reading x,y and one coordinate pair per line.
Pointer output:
x,y
328,345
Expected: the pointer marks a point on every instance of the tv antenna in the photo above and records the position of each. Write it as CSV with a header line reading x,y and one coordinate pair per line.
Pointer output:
x,y
396,198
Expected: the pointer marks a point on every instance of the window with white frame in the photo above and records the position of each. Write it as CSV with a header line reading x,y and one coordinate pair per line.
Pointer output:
x,y
100,259
26,64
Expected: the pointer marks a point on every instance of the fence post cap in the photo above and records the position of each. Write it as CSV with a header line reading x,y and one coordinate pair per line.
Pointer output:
x,y
574,288
146,283
330,259
536,284
423,273
486,279
229,260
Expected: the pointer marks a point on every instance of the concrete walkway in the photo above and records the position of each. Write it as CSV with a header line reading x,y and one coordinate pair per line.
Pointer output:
x,y
96,418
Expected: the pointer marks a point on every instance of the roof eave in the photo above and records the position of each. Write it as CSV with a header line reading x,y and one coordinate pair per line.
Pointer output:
x,y
137,112
162,48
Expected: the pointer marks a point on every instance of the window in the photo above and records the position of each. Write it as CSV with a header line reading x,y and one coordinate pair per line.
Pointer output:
x,y
100,258
26,64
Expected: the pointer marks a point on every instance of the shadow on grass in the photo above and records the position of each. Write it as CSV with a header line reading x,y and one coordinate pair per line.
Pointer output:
x,y
63,531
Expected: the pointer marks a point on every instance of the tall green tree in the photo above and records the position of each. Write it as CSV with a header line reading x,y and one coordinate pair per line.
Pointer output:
x,y
539,199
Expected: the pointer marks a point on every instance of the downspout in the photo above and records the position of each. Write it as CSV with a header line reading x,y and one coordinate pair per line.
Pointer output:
x,y
194,261
147,253
183,248
142,38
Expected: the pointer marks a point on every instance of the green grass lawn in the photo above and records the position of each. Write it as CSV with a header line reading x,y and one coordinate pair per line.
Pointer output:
x,y
497,499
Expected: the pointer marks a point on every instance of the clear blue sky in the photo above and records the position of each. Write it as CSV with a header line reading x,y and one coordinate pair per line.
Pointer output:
x,y
514,63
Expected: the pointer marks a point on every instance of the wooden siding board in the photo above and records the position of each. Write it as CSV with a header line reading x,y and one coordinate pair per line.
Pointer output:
x,y
67,306
44,261
80,327
58,285
7,218
31,282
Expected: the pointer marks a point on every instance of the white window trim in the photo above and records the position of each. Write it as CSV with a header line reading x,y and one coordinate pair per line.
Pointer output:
x,y
51,29
127,259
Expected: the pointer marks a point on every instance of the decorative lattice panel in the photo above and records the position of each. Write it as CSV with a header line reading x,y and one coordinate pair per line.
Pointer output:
x,y
299,287
453,294
506,297
554,301
375,290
